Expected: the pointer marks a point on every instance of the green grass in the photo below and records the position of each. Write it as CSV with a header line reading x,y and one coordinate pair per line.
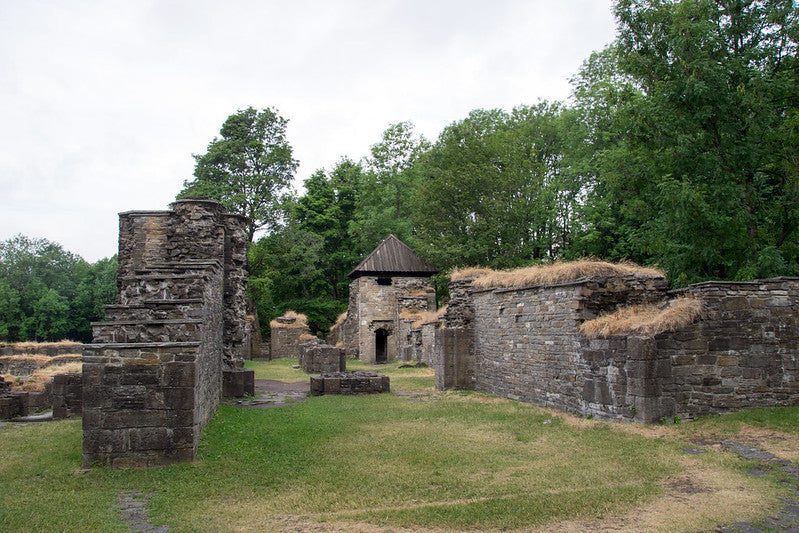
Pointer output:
x,y
417,460
280,369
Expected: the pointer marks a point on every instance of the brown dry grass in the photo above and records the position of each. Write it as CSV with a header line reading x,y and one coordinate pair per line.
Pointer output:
x,y
339,321
422,317
29,345
700,499
305,337
557,272
300,321
41,360
645,319
37,381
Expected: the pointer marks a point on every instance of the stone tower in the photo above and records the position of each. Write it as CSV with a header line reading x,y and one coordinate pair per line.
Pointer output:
x,y
390,282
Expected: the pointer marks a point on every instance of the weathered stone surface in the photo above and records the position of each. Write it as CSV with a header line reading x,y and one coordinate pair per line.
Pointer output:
x,y
153,377
526,345
237,383
358,382
374,330
318,358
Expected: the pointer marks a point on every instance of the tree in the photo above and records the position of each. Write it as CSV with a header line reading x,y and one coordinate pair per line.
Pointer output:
x,y
693,115
721,94
49,293
249,169
491,191
326,209
383,204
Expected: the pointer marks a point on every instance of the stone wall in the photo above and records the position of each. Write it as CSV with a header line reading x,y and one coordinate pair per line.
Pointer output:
x,y
376,303
152,378
317,358
286,337
50,349
525,344
67,395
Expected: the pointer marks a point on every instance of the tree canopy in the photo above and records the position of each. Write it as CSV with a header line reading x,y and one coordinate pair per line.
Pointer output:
x,y
249,169
47,293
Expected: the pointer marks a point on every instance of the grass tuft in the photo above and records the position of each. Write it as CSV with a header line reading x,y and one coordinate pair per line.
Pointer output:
x,y
645,319
300,321
548,274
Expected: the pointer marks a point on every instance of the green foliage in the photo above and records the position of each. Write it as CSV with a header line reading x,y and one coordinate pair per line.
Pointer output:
x,y
383,205
492,191
693,118
47,293
249,168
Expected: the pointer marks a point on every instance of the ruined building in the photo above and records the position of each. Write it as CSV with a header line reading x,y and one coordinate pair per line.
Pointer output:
x,y
154,374
527,341
390,284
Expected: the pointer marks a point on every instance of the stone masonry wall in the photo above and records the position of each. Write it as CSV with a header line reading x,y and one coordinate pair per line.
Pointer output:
x,y
375,306
286,337
525,344
152,378
745,353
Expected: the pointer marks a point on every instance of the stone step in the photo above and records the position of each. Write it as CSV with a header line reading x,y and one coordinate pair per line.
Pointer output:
x,y
133,331
143,352
139,288
184,267
156,310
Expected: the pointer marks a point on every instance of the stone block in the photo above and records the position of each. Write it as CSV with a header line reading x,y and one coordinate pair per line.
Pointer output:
x,y
129,397
179,374
238,383
179,397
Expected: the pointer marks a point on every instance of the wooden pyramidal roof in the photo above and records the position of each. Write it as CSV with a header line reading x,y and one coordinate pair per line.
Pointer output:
x,y
393,258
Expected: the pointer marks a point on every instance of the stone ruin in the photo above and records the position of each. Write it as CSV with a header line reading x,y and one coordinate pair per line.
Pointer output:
x,y
287,334
315,357
153,376
525,343
358,382
389,286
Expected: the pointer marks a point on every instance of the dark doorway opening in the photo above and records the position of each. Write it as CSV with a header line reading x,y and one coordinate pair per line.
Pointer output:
x,y
381,346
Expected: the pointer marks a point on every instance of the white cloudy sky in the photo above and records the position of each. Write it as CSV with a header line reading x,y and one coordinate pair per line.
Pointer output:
x,y
103,103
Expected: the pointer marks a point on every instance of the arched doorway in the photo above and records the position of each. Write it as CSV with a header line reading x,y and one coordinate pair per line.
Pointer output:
x,y
381,345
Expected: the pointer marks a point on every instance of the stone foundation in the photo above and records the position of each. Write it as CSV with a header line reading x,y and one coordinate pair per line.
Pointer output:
x,y
238,383
358,382
287,336
67,395
319,358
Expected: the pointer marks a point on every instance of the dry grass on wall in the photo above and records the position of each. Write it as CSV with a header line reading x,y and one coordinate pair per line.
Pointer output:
x,y
306,337
645,319
339,321
36,382
31,345
422,317
557,272
300,321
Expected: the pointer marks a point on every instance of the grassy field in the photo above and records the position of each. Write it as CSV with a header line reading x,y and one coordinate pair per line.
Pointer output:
x,y
413,460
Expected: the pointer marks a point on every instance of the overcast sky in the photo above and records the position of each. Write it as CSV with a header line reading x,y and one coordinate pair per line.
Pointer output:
x,y
102,104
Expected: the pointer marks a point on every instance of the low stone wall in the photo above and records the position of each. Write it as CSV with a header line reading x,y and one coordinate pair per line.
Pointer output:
x,y
237,383
358,382
321,358
25,365
50,349
67,395
286,337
